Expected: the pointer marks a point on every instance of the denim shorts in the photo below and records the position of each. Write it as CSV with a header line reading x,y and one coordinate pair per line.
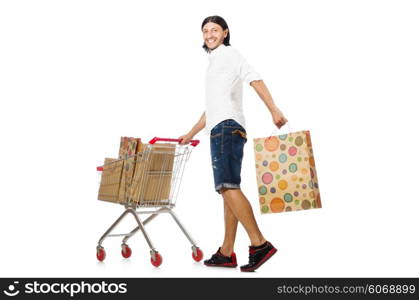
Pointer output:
x,y
227,143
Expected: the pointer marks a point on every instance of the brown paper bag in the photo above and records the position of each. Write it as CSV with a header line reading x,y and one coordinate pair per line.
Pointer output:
x,y
151,184
128,148
286,173
110,180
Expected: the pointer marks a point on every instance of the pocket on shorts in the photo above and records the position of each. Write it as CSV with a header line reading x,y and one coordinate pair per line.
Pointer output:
x,y
215,135
216,131
238,138
240,133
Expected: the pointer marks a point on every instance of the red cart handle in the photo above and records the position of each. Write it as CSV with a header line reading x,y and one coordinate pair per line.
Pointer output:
x,y
156,139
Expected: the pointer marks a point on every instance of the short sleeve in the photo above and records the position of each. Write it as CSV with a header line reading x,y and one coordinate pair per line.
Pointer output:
x,y
247,73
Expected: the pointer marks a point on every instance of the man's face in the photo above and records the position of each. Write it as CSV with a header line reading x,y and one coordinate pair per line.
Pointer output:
x,y
214,35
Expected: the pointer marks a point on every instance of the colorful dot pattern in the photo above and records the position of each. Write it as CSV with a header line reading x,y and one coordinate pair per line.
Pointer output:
x,y
286,173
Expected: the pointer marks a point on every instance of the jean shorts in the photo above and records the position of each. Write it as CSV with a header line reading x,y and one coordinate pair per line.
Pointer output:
x,y
227,143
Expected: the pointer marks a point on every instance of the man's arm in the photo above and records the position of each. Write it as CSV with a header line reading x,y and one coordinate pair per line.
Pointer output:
x,y
264,94
198,126
186,138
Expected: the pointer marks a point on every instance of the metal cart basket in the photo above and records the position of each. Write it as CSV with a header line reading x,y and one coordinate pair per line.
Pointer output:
x,y
149,182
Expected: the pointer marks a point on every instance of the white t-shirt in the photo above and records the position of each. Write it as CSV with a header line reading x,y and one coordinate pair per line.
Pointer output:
x,y
226,71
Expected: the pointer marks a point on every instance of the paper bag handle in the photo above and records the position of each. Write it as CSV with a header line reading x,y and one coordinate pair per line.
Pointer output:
x,y
277,129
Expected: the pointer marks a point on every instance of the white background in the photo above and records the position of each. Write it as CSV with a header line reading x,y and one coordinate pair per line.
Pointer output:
x,y
77,75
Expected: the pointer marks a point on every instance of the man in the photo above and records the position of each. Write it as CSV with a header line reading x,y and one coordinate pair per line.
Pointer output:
x,y
224,120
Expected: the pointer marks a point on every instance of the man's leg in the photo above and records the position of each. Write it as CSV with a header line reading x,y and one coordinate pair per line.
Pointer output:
x,y
230,223
242,210
225,256
261,250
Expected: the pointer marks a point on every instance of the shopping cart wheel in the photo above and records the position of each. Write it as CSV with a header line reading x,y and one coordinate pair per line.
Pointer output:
x,y
126,251
199,255
100,254
157,262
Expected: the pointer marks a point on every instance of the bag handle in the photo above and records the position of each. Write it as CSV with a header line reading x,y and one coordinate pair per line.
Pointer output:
x,y
277,129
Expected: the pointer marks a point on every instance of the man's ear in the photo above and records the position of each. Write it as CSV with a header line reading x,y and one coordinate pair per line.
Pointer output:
x,y
225,33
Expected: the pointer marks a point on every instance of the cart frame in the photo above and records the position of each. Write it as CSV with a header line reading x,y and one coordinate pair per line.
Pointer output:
x,y
147,193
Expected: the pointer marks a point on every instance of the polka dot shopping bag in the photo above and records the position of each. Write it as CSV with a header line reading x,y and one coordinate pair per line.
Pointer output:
x,y
286,173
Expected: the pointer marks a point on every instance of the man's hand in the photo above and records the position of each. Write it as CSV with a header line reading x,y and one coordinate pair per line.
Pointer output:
x,y
278,118
186,138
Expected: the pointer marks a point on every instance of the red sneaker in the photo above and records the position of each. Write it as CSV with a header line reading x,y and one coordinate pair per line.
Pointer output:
x,y
258,256
220,260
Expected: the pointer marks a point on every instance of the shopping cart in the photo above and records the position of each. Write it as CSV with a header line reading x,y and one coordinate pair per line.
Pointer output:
x,y
150,188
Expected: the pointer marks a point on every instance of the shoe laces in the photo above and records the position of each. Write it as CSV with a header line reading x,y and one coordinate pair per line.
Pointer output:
x,y
214,256
252,256
217,254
